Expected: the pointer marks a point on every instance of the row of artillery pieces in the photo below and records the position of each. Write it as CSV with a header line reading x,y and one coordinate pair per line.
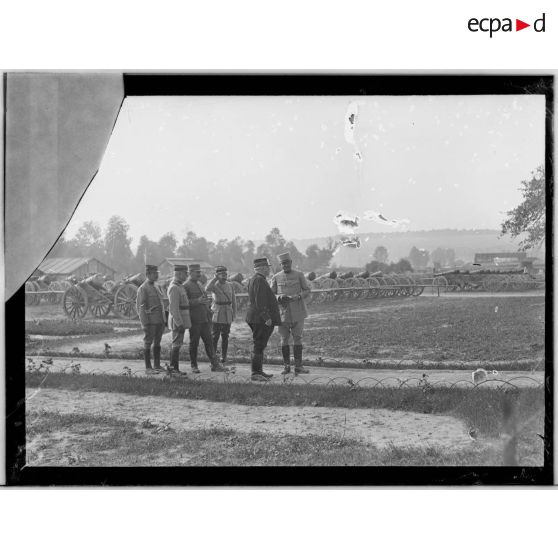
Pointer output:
x,y
100,297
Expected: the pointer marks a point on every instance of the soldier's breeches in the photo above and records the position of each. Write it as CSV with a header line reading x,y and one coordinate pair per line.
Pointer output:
x,y
294,329
260,334
152,335
202,331
177,338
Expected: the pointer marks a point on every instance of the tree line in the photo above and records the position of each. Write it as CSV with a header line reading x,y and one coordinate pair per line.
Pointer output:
x,y
113,246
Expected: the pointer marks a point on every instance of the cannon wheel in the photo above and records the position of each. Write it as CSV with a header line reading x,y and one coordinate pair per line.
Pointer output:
x,y
441,282
125,301
109,285
100,308
75,303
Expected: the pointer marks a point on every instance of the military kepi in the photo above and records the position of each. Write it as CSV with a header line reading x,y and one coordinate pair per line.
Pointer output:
x,y
150,268
261,261
220,269
195,267
285,257
180,267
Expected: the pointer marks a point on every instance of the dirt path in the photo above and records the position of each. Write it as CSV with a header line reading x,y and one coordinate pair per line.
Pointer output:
x,y
379,427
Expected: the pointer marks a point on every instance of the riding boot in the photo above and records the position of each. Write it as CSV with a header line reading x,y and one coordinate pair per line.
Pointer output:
x,y
157,358
147,358
299,369
175,360
260,366
254,364
215,336
194,361
286,350
224,348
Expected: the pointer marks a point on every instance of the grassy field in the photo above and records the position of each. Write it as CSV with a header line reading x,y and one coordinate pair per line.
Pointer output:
x,y
66,327
431,328
424,328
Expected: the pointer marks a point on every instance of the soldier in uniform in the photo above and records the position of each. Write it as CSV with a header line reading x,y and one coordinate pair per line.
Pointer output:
x,y
179,314
200,315
224,309
262,315
291,289
151,311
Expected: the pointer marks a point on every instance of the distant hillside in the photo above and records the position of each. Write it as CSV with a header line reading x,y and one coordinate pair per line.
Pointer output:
x,y
465,243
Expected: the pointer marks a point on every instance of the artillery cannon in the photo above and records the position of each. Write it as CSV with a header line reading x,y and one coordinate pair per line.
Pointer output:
x,y
44,287
92,295
490,280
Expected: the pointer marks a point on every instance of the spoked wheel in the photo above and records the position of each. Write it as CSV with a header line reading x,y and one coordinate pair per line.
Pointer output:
x,y
418,290
100,308
439,284
109,285
125,302
75,303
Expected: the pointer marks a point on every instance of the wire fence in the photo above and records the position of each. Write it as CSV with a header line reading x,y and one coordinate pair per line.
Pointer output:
x,y
47,366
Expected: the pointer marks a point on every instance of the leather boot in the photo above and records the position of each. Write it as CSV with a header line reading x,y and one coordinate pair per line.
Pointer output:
x,y
257,372
254,364
175,360
260,367
224,349
147,358
286,350
157,358
299,369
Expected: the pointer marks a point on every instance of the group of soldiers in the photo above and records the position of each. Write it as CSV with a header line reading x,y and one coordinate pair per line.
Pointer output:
x,y
207,312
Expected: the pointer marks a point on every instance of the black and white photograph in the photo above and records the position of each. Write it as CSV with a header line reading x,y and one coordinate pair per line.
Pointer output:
x,y
220,273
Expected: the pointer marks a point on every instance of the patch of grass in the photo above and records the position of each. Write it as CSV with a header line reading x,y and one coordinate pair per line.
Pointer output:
x,y
66,327
480,408
431,328
49,347
98,441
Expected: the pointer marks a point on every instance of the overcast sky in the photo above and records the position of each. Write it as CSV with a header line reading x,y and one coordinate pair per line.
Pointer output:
x,y
238,166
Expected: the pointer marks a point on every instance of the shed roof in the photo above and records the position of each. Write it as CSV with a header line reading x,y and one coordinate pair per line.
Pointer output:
x,y
66,265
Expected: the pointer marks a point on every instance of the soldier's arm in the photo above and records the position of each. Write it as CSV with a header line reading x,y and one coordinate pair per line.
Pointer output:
x,y
274,284
210,288
174,306
140,307
233,298
260,300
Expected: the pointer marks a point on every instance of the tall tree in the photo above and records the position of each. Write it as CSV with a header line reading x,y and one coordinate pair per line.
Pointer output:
x,y
167,244
89,240
117,245
318,259
381,254
529,217
148,252
196,247
402,266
